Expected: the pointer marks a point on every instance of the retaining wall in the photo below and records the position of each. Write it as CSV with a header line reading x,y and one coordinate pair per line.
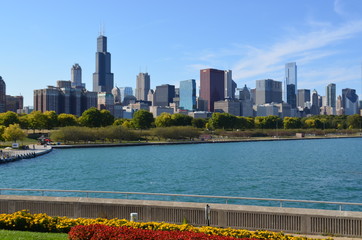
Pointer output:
x,y
290,220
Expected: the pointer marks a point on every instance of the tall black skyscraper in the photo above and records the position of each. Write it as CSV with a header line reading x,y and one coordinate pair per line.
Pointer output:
x,y
102,78
291,84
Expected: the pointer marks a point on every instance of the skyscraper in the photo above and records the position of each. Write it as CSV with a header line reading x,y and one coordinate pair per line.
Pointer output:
x,y
126,91
212,86
102,78
268,91
315,103
164,95
229,85
142,86
291,83
2,95
303,97
188,94
349,101
331,95
76,76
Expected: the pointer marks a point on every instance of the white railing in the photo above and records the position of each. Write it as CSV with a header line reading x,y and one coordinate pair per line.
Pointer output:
x,y
226,198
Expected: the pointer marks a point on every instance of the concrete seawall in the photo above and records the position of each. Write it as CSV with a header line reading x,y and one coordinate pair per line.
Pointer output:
x,y
290,220
11,155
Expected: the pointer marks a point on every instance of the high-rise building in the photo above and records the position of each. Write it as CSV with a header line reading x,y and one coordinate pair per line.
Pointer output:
x,y
117,95
331,95
244,93
188,94
64,99
350,101
142,86
14,103
315,103
246,103
228,106
291,83
303,97
102,78
76,76
212,86
126,91
164,95
339,108
2,95
268,91
106,101
229,85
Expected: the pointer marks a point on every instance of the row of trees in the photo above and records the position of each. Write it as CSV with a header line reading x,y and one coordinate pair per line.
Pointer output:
x,y
94,118
118,134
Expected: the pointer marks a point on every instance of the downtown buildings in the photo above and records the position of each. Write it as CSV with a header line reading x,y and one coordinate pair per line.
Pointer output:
x,y
216,93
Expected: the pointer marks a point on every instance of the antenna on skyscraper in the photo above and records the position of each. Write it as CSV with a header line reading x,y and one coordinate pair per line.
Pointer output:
x,y
101,29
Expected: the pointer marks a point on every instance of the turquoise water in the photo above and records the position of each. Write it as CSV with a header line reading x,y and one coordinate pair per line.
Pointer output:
x,y
323,170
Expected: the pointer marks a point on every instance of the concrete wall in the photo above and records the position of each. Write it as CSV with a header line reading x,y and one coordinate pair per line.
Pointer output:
x,y
290,220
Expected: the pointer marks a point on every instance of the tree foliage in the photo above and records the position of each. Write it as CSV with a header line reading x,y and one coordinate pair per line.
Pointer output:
x,y
164,120
142,119
65,120
8,118
14,133
180,132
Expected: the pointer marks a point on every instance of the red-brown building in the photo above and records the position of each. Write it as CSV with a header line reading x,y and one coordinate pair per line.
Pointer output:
x,y
211,86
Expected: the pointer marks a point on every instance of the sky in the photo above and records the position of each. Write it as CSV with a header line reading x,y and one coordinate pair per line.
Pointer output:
x,y
172,40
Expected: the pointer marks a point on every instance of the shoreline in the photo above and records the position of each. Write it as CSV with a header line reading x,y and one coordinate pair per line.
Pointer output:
x,y
13,155
100,145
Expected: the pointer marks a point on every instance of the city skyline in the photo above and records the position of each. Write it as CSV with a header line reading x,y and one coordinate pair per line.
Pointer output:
x,y
322,37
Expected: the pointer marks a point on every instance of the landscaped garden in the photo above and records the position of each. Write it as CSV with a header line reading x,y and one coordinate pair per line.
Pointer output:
x,y
40,226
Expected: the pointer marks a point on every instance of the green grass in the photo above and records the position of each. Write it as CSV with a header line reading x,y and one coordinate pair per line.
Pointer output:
x,y
21,235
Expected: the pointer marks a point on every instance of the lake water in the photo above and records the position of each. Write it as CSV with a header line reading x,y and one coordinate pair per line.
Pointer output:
x,y
323,170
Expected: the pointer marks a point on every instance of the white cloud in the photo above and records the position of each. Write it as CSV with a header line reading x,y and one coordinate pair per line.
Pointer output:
x,y
302,49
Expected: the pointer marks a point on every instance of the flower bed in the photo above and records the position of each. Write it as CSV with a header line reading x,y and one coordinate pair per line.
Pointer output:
x,y
25,221
100,232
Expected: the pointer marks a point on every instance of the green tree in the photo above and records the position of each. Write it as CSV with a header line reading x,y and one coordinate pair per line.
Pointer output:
x,y
142,119
8,118
292,123
65,120
51,119
106,118
354,121
36,120
164,120
179,119
222,121
91,118
2,129
23,121
199,122
269,122
119,121
14,133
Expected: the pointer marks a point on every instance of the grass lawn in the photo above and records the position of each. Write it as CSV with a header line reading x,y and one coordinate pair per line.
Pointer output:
x,y
22,235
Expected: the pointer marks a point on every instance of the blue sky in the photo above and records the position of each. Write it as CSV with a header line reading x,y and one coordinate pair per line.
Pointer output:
x,y
40,40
